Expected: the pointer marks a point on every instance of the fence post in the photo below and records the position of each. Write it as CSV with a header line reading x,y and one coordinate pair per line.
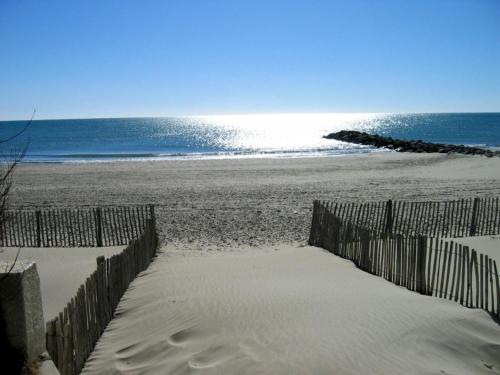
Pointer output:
x,y
38,215
365,250
473,220
312,232
100,259
152,212
98,226
388,217
421,261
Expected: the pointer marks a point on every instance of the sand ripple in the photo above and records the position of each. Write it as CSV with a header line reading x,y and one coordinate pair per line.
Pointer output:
x,y
287,310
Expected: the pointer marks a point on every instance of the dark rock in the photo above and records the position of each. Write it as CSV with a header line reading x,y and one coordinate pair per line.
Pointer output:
x,y
419,146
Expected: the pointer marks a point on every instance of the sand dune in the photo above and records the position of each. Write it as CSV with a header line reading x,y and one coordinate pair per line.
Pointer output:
x,y
61,271
287,310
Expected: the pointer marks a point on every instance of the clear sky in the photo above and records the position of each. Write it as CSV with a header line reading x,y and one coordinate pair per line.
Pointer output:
x,y
106,58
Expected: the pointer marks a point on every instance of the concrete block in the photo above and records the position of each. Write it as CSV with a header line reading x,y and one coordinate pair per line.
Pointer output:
x,y
47,366
21,302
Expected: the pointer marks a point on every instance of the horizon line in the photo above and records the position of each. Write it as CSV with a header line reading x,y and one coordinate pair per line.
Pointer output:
x,y
246,114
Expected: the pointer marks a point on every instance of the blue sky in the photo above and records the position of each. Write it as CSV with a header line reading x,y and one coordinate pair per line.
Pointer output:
x,y
73,59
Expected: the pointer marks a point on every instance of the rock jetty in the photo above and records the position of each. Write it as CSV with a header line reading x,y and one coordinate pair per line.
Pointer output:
x,y
362,138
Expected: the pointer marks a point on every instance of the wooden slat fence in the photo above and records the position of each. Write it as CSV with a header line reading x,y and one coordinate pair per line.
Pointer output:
x,y
427,265
96,226
454,218
72,335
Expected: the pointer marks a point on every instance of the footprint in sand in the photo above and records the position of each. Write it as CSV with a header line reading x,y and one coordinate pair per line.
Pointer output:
x,y
182,337
211,357
137,356
130,351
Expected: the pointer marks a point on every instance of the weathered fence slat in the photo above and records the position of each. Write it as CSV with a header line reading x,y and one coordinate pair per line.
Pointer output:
x,y
497,283
476,274
468,297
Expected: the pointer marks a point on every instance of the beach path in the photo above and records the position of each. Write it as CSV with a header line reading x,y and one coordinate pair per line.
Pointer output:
x,y
286,310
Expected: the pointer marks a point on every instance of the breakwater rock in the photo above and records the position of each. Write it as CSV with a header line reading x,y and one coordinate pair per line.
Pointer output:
x,y
362,138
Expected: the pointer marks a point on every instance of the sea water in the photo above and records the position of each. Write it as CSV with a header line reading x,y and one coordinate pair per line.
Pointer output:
x,y
237,136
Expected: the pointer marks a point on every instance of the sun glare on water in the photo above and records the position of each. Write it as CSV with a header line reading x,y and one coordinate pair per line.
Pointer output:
x,y
285,132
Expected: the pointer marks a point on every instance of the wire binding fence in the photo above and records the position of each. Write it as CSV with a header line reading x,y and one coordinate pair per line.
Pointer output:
x,y
427,265
98,226
72,335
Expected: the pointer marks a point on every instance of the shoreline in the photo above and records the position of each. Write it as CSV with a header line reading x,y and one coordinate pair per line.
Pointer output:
x,y
237,155
364,149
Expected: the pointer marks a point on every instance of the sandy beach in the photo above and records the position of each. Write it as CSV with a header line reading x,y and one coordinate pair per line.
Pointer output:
x,y
207,204
263,302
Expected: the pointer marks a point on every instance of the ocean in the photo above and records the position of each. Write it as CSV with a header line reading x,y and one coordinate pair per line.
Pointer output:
x,y
237,136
